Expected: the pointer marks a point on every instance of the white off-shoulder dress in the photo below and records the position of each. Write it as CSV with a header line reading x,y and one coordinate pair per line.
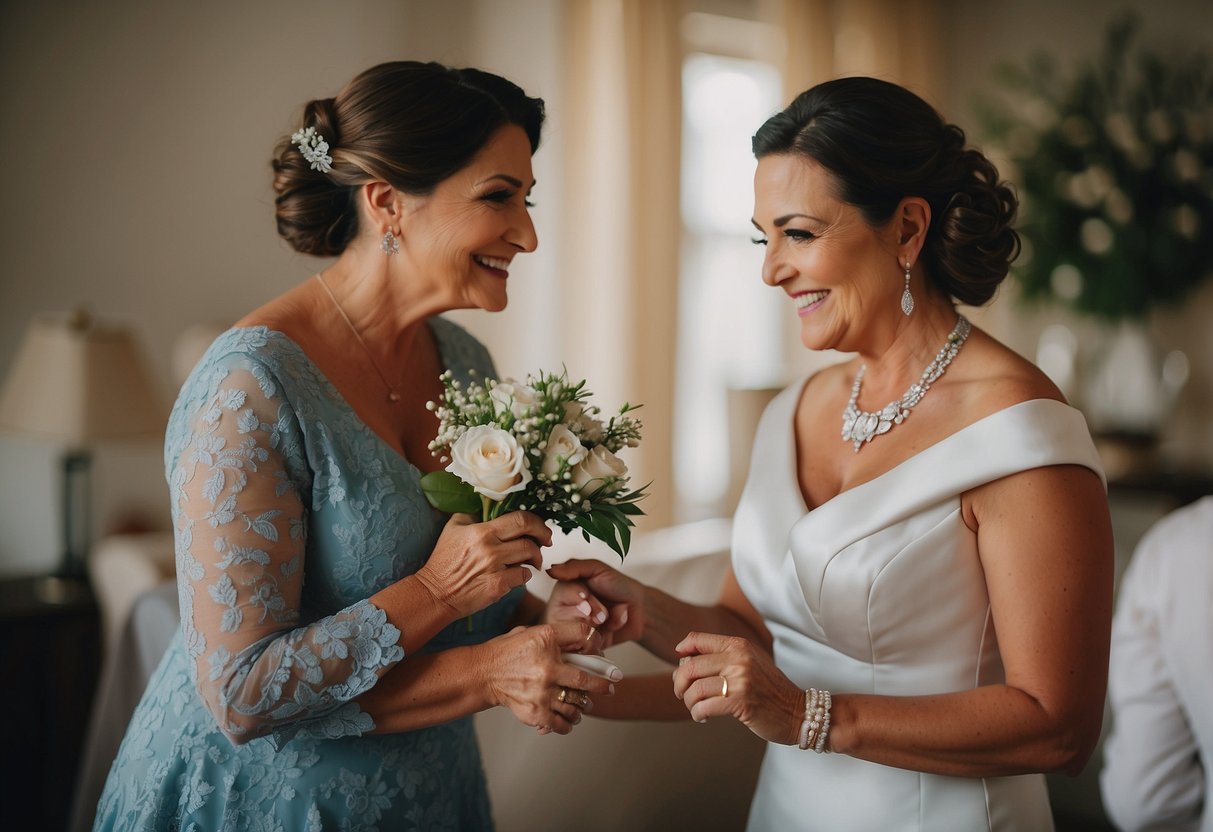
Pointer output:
x,y
880,591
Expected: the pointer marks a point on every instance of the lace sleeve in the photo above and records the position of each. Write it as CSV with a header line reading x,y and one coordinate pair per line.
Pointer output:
x,y
241,527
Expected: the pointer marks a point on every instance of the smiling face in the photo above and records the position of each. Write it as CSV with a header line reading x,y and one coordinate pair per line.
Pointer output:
x,y
840,273
461,238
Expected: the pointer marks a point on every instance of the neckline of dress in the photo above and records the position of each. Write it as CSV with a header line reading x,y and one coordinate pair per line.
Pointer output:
x,y
793,440
443,358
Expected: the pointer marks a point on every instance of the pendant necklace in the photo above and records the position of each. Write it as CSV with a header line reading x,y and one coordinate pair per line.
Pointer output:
x,y
859,426
393,395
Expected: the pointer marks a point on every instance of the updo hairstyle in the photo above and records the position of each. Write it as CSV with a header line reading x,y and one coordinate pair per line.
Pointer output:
x,y
882,143
407,123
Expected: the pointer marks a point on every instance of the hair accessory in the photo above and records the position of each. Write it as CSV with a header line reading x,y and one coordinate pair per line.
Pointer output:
x,y
859,426
907,300
314,148
816,726
390,244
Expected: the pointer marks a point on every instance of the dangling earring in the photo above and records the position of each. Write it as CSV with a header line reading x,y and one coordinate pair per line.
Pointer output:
x,y
907,300
390,244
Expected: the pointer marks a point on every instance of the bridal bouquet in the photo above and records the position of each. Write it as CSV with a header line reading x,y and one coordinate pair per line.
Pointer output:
x,y
537,446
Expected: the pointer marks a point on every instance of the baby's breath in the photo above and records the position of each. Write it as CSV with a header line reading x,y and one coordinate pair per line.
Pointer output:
x,y
600,504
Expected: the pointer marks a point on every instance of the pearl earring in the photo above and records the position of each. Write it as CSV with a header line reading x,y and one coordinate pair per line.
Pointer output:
x,y
390,244
907,300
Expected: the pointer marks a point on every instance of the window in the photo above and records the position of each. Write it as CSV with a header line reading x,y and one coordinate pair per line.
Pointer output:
x,y
731,325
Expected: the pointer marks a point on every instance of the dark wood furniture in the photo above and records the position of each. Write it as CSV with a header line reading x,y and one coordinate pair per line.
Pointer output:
x,y
50,655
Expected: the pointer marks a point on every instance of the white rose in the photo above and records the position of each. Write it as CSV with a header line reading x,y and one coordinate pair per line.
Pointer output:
x,y
582,423
491,461
562,444
511,397
598,465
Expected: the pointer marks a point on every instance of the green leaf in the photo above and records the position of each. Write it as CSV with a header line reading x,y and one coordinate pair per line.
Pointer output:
x,y
609,527
446,492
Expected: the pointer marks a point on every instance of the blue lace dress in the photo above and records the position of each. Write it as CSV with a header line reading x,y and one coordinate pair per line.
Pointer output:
x,y
289,512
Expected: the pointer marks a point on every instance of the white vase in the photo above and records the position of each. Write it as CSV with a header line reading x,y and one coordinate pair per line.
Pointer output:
x,y
1128,386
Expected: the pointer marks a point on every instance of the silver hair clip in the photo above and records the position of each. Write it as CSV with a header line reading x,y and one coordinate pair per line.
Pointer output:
x,y
314,148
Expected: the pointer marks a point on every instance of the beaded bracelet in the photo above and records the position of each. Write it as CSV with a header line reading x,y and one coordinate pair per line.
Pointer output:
x,y
816,726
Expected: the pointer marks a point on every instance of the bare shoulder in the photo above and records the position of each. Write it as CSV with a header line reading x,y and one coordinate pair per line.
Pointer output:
x,y
290,313
996,377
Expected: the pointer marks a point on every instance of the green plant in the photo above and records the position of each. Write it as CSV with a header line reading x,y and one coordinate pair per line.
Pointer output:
x,y
1114,168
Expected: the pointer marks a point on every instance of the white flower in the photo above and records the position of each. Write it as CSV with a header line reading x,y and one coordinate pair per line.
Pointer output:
x,y
510,396
1187,165
1186,221
1066,281
1096,236
1118,207
1159,126
598,465
491,461
582,423
562,446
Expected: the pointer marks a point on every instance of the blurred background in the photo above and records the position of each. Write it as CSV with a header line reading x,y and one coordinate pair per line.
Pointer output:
x,y
136,136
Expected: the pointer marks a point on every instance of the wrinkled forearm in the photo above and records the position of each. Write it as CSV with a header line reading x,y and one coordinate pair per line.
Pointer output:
x,y
428,690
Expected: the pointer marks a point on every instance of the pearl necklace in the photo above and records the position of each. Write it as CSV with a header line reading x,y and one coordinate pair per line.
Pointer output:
x,y
393,395
859,426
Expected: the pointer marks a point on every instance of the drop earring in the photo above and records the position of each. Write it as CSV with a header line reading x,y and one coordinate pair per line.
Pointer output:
x,y
390,244
907,300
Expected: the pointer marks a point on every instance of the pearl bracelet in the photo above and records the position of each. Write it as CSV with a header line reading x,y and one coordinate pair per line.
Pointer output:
x,y
816,726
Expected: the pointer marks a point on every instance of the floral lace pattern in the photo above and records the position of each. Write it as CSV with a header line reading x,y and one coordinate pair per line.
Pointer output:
x,y
251,722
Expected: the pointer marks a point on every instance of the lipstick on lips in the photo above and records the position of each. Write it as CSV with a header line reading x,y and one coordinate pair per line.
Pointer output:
x,y
808,301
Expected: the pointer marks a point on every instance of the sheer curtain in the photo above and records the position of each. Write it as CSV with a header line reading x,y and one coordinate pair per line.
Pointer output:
x,y
619,287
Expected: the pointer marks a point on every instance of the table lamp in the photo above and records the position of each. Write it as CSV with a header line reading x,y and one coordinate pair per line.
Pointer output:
x,y
75,382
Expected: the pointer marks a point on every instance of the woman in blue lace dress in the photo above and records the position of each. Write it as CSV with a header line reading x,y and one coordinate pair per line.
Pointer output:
x,y
337,633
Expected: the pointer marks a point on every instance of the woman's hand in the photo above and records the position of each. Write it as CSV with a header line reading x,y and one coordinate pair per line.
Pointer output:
x,y
570,601
524,673
621,596
475,564
730,676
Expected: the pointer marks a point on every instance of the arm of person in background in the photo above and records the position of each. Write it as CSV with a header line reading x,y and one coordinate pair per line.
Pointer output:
x,y
241,529
1152,776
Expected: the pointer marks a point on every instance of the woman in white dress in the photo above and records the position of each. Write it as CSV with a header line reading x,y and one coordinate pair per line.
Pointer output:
x,y
944,569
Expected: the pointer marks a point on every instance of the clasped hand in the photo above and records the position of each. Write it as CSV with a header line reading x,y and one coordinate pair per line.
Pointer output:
x,y
731,676
476,563
716,675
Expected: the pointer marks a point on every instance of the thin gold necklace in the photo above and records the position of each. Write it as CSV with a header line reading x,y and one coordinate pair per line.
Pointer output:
x,y
393,395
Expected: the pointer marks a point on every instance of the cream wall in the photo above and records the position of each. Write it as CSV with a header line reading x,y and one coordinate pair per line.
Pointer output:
x,y
136,137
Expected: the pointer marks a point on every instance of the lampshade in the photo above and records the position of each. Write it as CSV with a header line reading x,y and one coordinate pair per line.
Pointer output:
x,y
78,382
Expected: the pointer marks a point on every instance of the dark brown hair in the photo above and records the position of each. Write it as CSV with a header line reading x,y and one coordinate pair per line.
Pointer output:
x,y
407,123
883,143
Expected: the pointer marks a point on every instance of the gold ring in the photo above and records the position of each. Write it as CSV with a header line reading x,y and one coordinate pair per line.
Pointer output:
x,y
583,700
563,695
593,630
724,690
